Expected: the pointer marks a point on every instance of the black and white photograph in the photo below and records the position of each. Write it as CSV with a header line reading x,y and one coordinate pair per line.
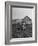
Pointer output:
x,y
21,24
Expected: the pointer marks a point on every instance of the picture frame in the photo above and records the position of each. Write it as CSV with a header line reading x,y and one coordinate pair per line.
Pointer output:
x,y
8,22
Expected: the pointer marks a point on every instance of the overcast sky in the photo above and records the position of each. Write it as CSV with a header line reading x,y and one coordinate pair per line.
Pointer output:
x,y
19,13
